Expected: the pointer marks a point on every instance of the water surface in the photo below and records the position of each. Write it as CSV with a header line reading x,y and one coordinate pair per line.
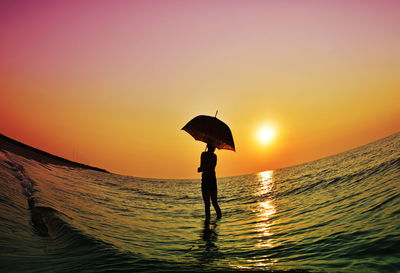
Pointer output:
x,y
337,214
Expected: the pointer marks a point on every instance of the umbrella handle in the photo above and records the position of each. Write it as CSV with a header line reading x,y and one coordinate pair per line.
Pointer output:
x,y
205,149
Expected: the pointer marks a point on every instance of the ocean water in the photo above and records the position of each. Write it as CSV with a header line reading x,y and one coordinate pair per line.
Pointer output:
x,y
337,214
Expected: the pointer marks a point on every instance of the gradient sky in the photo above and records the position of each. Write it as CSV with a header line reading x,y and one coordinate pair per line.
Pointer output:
x,y
111,83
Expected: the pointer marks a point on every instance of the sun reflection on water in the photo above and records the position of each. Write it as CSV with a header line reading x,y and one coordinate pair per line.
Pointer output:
x,y
266,183
265,210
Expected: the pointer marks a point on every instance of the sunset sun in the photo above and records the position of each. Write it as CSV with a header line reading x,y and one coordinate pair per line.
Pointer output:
x,y
266,134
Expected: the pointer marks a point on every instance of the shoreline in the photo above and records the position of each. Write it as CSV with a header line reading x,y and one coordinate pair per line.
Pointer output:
x,y
21,149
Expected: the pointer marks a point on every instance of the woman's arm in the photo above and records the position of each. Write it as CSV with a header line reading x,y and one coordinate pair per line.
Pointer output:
x,y
200,169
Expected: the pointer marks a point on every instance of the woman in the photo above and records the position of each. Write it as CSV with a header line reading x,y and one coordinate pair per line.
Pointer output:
x,y
209,181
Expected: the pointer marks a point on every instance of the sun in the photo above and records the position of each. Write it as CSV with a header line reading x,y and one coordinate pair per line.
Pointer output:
x,y
266,134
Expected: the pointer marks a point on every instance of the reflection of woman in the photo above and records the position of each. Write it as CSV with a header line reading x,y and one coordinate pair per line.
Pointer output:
x,y
209,180
209,235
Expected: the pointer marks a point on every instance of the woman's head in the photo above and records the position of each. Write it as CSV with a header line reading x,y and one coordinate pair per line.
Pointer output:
x,y
210,147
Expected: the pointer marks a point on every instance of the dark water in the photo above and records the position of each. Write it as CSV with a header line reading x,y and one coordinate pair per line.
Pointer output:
x,y
338,214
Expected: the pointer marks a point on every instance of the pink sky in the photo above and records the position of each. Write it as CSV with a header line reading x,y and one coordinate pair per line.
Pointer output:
x,y
116,80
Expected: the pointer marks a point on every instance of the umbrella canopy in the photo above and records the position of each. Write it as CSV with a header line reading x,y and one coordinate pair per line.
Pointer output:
x,y
210,130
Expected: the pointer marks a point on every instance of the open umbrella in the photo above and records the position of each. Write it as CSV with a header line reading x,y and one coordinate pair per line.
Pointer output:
x,y
210,130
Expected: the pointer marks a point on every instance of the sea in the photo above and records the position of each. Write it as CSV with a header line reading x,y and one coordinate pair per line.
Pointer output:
x,y
337,214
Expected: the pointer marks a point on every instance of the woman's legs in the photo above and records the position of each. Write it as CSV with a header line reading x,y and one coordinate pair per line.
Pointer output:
x,y
206,199
214,199
209,191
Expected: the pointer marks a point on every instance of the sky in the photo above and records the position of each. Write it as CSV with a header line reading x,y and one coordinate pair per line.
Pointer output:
x,y
111,83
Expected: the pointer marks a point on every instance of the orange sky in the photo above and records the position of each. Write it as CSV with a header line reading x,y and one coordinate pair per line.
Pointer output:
x,y
111,84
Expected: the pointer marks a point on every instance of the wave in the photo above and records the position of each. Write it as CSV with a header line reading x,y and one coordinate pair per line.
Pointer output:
x,y
72,247
335,214
348,178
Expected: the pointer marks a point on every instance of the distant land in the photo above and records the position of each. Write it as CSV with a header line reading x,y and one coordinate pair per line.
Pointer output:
x,y
21,149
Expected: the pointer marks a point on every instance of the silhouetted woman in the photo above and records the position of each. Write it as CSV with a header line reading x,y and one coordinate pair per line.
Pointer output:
x,y
209,180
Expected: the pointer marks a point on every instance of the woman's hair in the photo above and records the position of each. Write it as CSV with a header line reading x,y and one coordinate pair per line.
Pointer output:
x,y
210,147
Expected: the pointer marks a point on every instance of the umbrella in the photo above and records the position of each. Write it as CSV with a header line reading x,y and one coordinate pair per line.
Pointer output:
x,y
210,130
